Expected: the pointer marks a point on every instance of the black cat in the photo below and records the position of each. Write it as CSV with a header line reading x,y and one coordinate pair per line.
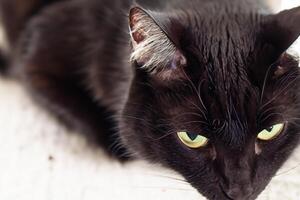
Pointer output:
x,y
205,88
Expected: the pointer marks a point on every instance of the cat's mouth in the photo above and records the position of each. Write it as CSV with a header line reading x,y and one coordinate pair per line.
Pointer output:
x,y
224,193
230,198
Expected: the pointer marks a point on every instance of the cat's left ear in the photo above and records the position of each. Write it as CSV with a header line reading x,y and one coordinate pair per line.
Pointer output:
x,y
283,29
153,48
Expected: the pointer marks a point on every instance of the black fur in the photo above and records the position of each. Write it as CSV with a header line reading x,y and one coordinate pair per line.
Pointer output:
x,y
73,56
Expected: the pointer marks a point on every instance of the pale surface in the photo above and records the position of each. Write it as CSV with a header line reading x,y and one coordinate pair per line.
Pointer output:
x,y
30,138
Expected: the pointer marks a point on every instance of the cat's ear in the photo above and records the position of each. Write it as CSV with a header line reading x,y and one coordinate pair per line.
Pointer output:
x,y
283,29
153,49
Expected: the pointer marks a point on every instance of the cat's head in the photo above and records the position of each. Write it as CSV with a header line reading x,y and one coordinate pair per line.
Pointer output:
x,y
215,97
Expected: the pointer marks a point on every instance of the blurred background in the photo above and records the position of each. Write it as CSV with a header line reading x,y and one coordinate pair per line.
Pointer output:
x,y
39,160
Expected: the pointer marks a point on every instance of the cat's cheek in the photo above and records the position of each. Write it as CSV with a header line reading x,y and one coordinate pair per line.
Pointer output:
x,y
129,138
202,153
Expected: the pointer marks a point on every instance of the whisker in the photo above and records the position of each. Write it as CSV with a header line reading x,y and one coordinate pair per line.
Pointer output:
x,y
183,181
287,171
271,114
279,93
188,113
265,82
163,187
286,78
264,112
195,89
197,107
194,122
164,136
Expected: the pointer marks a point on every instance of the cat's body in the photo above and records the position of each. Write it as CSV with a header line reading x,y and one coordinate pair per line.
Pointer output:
x,y
198,66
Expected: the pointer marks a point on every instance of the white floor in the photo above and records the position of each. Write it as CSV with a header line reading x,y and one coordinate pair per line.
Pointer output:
x,y
39,160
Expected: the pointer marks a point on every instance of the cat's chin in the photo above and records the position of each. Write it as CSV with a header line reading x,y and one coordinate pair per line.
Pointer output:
x,y
220,194
223,196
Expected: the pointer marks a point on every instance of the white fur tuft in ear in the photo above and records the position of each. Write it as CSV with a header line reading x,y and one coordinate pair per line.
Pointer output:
x,y
152,49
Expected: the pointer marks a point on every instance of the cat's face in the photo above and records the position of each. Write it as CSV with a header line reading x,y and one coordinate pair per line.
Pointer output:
x,y
217,102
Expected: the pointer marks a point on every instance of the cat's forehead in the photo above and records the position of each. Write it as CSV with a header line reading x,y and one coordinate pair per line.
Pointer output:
x,y
223,34
224,47
225,55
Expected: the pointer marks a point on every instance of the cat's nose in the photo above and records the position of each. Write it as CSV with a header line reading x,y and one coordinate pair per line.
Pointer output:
x,y
238,192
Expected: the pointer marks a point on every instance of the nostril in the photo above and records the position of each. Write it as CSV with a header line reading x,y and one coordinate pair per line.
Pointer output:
x,y
239,192
234,193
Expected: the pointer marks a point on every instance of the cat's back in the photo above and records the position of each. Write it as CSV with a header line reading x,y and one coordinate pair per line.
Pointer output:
x,y
84,43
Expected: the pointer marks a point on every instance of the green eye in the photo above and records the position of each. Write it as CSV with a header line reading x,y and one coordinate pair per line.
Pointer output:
x,y
271,132
192,140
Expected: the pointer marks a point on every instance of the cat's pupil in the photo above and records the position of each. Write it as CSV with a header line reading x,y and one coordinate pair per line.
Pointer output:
x,y
192,136
270,129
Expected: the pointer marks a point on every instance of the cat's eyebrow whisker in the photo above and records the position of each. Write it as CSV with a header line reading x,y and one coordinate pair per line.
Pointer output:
x,y
263,112
195,89
187,114
198,122
287,77
271,114
279,93
197,107
265,83
199,92
283,81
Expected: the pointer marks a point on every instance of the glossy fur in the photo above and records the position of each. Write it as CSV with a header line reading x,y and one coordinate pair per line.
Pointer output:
x,y
228,78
